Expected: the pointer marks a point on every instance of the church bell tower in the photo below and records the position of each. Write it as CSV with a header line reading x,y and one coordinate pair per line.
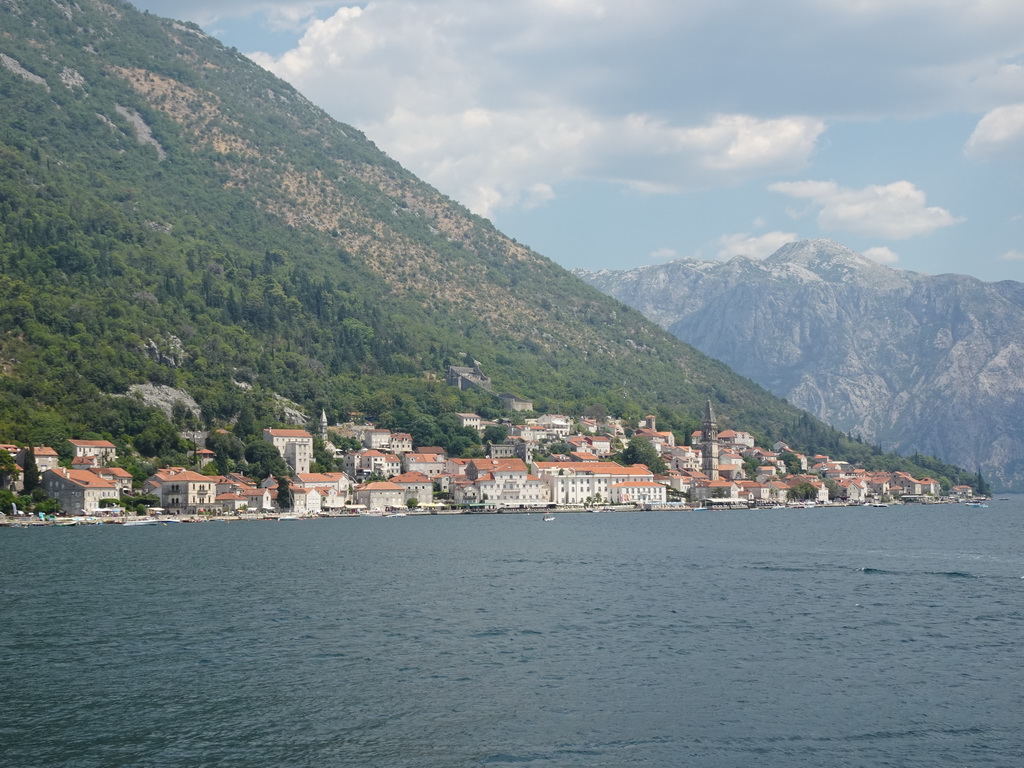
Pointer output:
x,y
709,444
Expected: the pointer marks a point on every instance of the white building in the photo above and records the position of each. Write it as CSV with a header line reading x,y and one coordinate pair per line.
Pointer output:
x,y
579,482
379,496
294,445
637,492
102,452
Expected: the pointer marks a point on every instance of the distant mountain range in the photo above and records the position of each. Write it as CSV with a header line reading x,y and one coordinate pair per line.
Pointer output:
x,y
916,363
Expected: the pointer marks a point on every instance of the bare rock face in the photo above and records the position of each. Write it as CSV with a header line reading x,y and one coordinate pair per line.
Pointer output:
x,y
932,364
165,398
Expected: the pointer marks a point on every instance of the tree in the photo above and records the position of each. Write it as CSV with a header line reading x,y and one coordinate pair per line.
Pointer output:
x,y
640,450
802,492
227,449
792,462
160,438
495,434
559,447
30,474
8,470
284,492
264,460
981,486
323,459
750,467
245,427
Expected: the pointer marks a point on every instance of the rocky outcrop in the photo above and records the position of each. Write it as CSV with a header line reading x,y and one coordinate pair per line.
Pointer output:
x,y
166,398
917,363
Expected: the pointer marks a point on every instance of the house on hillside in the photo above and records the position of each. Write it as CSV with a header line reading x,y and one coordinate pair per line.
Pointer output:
x,y
662,441
515,404
467,377
429,464
294,445
376,439
470,420
364,463
401,443
120,477
738,440
102,452
46,458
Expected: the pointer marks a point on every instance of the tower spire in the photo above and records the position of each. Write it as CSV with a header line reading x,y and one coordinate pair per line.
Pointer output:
x,y
709,443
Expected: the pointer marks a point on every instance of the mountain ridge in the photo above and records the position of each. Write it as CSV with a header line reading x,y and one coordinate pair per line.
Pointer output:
x,y
911,361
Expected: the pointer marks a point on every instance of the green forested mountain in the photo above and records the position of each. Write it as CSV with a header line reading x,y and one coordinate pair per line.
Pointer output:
x,y
170,213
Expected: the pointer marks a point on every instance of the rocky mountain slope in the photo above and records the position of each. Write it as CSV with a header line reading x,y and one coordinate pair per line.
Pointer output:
x,y
933,364
173,215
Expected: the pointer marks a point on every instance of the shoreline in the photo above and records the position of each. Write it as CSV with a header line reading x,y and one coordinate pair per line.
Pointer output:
x,y
8,521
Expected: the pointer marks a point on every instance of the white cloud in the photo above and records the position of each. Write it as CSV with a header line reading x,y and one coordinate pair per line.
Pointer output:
x,y
663,254
497,158
882,255
1013,255
283,14
755,246
999,131
897,210
468,97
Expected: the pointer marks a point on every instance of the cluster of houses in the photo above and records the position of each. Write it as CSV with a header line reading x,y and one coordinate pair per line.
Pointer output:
x,y
389,472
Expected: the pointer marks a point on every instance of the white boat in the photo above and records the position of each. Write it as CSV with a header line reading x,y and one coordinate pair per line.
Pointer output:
x,y
140,521
548,518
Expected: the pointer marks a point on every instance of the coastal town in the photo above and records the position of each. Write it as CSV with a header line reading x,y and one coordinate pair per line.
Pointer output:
x,y
387,474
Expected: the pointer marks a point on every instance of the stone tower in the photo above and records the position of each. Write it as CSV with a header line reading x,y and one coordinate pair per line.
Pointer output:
x,y
709,444
323,425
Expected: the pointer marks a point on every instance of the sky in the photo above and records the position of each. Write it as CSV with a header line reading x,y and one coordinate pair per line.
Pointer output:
x,y
609,134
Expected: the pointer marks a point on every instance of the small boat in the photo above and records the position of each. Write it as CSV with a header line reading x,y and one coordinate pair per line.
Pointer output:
x,y
548,518
140,521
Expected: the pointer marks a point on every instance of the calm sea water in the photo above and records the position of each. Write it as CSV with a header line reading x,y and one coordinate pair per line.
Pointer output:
x,y
848,637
